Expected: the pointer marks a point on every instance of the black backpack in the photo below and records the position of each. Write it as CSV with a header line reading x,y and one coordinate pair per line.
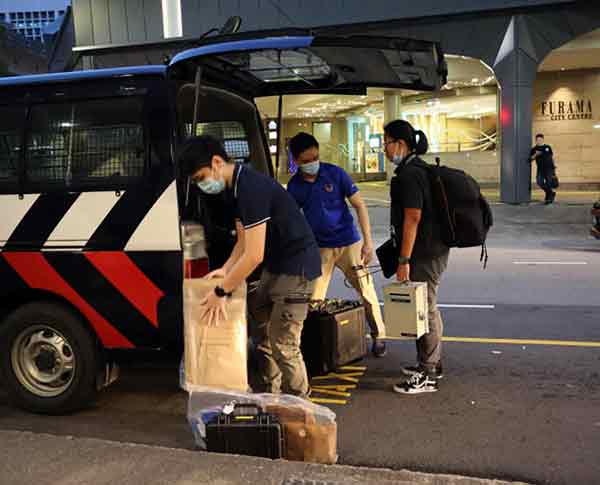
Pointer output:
x,y
463,213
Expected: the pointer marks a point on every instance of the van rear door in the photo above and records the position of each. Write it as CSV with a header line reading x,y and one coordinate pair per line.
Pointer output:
x,y
303,64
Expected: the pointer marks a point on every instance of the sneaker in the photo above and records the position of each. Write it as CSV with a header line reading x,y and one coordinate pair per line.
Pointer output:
x,y
379,348
417,384
418,369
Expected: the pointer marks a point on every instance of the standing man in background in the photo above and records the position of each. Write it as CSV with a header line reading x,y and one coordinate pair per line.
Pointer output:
x,y
543,156
321,190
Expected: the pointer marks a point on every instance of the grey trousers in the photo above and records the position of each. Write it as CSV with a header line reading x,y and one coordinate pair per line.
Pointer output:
x,y
278,310
429,346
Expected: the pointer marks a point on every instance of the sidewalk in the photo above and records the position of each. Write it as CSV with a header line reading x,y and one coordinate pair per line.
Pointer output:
x,y
43,459
375,192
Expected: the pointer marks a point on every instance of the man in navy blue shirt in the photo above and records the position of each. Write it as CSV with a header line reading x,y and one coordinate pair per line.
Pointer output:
x,y
270,229
321,190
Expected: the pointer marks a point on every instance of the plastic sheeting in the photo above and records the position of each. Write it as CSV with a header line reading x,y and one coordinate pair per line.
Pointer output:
x,y
310,430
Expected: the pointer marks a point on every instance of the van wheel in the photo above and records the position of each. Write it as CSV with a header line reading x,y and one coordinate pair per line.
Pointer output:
x,y
48,359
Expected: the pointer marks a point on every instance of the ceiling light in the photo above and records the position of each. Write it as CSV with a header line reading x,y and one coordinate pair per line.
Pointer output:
x,y
597,127
562,68
475,80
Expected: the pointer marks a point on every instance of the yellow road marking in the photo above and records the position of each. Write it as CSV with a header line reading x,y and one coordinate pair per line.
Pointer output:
x,y
341,377
319,400
354,367
336,387
330,392
510,341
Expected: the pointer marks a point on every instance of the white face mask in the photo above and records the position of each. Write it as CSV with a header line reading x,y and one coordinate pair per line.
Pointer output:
x,y
311,168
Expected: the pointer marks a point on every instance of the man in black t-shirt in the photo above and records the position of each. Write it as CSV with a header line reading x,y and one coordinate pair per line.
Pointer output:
x,y
271,229
543,156
423,257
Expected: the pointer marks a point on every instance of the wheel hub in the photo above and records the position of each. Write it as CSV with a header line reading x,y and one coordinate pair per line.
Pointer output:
x,y
46,360
43,361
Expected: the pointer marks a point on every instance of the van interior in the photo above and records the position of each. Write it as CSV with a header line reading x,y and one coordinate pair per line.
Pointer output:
x,y
235,121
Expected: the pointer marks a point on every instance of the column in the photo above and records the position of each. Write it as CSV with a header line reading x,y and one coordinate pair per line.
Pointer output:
x,y
392,110
516,70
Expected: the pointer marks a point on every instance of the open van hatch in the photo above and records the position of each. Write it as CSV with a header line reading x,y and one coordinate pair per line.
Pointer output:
x,y
306,63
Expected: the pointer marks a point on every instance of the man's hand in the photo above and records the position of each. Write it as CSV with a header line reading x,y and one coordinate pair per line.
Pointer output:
x,y
366,254
217,273
214,309
403,273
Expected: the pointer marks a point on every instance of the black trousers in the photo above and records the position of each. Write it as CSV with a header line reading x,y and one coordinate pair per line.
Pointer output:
x,y
543,178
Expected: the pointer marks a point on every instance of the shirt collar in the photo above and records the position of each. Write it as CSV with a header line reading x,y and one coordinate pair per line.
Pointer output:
x,y
405,162
236,178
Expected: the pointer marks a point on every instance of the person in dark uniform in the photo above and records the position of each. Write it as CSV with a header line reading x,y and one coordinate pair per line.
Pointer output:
x,y
543,156
423,255
271,229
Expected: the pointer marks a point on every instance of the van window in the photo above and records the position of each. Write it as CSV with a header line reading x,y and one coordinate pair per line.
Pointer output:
x,y
95,142
11,138
232,134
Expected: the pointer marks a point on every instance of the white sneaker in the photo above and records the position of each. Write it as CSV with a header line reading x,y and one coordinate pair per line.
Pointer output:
x,y
417,384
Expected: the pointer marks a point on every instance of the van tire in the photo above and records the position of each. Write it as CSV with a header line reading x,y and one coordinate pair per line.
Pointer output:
x,y
48,359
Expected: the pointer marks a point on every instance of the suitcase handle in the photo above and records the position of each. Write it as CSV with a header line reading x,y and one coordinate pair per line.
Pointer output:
x,y
246,409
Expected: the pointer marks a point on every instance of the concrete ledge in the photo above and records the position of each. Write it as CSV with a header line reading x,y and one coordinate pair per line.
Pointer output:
x,y
27,458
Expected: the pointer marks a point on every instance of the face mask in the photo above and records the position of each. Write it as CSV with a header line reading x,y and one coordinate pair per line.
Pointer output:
x,y
311,168
211,186
397,159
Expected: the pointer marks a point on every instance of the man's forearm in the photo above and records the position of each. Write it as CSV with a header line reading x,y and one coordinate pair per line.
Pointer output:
x,y
365,224
237,252
239,272
409,236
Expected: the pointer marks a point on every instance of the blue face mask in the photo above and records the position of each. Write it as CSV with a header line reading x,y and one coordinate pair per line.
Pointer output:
x,y
311,168
397,160
211,186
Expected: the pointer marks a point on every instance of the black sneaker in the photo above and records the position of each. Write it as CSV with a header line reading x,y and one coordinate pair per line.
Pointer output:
x,y
418,369
379,348
417,384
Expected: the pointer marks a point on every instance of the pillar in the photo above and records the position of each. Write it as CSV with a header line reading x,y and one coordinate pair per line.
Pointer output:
x,y
392,110
516,69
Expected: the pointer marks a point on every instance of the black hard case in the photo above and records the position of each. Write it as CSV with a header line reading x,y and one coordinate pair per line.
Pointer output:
x,y
247,431
333,336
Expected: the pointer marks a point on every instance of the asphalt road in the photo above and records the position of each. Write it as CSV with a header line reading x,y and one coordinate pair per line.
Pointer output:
x,y
515,410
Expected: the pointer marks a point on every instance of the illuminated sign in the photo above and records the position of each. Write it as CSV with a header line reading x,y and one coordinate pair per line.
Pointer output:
x,y
577,109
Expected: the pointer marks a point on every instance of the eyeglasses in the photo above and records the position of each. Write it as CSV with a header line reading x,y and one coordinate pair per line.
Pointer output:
x,y
386,143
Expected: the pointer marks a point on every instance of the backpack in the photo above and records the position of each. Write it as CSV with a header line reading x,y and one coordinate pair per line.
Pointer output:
x,y
463,213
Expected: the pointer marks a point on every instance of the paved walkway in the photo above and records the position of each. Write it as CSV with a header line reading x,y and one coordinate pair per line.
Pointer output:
x,y
376,192
64,460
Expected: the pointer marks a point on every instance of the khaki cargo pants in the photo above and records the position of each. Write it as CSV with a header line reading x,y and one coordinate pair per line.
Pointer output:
x,y
349,259
278,309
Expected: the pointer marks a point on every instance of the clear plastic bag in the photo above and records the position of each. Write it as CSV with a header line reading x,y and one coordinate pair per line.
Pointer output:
x,y
310,430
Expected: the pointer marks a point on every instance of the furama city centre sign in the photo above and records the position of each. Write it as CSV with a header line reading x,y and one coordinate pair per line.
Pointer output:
x,y
578,109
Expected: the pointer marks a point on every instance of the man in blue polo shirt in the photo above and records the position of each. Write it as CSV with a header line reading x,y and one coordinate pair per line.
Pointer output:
x,y
321,190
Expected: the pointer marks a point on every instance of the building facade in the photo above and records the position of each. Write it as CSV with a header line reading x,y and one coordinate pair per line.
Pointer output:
x,y
30,18
515,67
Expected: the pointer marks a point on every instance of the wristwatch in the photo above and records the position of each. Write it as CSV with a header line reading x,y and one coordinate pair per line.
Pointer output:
x,y
403,260
221,293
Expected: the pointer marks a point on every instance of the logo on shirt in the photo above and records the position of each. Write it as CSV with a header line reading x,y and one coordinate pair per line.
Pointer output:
x,y
328,187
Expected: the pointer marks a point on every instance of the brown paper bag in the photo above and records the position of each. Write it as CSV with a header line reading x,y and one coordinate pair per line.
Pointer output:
x,y
306,439
215,357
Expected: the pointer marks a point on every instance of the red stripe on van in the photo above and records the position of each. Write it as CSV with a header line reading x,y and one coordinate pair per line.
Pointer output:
x,y
38,273
125,276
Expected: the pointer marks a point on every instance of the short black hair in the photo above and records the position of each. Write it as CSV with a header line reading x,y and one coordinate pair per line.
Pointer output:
x,y
539,135
302,142
197,152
